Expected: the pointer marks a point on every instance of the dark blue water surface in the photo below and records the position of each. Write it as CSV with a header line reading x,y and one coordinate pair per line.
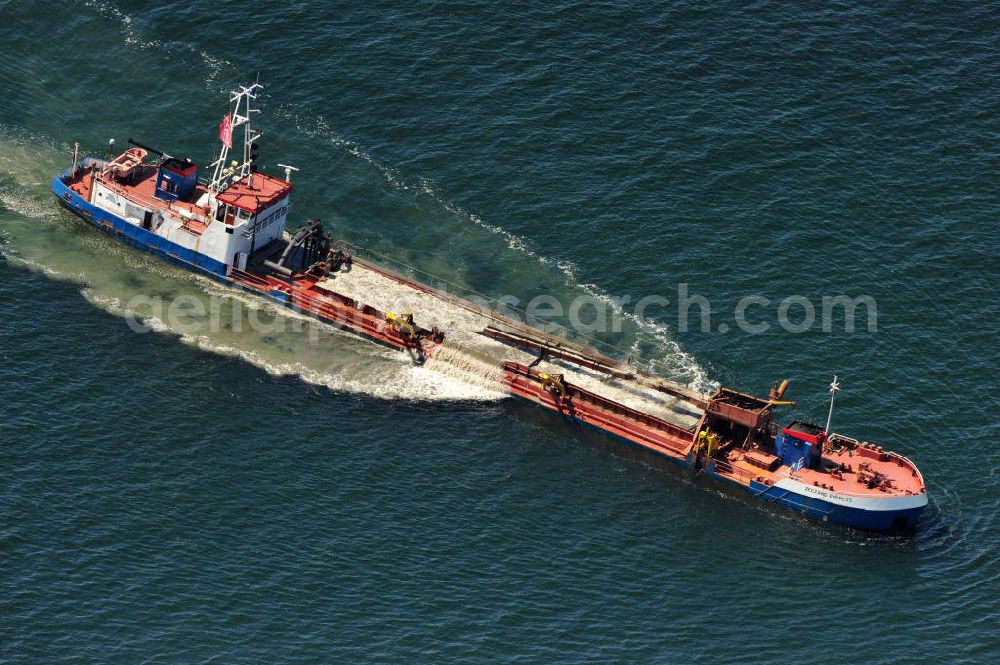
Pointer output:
x,y
230,497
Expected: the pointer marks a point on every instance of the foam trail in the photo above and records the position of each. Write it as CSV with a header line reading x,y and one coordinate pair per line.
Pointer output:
x,y
103,268
674,361
11,256
453,360
134,37
382,374
216,65
130,33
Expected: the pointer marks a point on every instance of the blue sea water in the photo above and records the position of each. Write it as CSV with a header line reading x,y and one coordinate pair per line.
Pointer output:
x,y
228,496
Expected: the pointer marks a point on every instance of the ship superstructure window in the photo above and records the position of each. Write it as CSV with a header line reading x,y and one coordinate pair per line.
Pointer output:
x,y
226,213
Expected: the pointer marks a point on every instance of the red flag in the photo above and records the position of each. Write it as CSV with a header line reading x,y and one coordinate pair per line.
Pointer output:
x,y
226,132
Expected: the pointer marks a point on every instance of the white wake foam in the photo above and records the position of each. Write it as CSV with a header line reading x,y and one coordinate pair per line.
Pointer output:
x,y
129,32
380,373
20,199
675,362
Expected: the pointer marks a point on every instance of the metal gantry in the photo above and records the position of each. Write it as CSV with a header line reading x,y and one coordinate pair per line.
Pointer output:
x,y
240,115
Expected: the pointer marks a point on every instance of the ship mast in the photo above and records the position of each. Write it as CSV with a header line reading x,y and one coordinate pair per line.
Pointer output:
x,y
242,110
834,389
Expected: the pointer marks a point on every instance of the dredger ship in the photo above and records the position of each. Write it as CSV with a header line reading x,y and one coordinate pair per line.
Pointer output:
x,y
231,228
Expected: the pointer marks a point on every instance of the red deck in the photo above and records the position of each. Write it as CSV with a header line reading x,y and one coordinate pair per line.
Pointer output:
x,y
861,464
848,472
265,191
140,188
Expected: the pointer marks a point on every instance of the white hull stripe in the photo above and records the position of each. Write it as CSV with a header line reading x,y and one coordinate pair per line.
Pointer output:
x,y
874,503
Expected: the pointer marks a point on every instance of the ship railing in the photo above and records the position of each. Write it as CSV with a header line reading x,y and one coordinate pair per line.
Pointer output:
x,y
192,225
840,491
840,437
860,495
248,276
132,195
613,407
869,450
336,310
729,470
81,172
785,472
913,468
355,315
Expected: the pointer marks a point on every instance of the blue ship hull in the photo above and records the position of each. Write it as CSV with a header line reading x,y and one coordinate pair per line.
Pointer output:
x,y
147,241
818,509
136,236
